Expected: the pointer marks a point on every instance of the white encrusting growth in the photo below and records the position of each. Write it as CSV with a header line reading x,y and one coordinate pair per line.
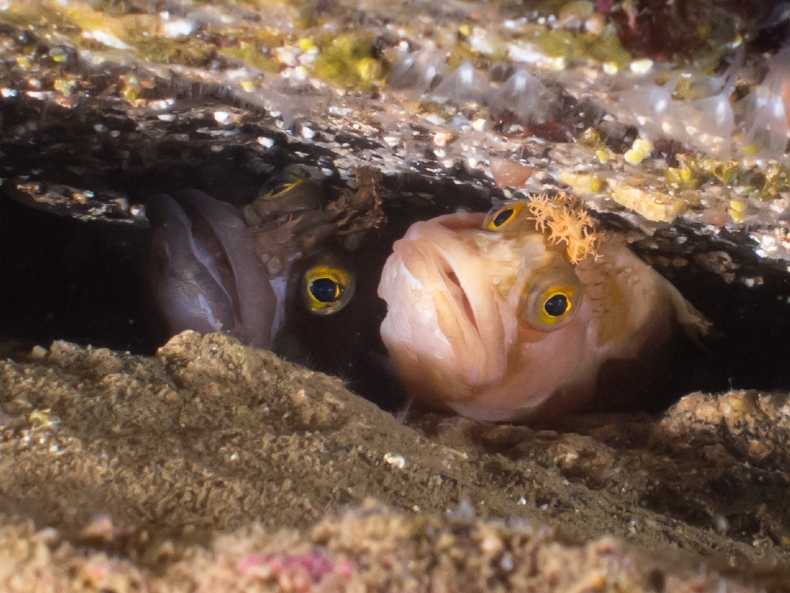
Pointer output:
x,y
522,93
767,108
464,84
698,110
525,96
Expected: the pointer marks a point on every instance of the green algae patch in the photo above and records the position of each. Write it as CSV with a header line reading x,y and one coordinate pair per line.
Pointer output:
x,y
187,51
746,181
605,47
682,177
106,29
348,60
252,54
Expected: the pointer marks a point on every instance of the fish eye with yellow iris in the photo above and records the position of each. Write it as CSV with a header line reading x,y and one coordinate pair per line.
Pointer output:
x,y
501,216
524,313
327,288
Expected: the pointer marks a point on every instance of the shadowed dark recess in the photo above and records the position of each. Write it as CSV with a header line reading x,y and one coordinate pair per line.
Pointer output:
x,y
67,279
82,281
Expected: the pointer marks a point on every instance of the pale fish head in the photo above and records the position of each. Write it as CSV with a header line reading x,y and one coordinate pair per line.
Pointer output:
x,y
491,325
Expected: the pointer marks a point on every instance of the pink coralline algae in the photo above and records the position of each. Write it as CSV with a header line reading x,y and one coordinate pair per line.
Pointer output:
x,y
604,6
294,572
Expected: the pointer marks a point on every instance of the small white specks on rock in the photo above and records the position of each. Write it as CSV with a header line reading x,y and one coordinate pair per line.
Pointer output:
x,y
176,27
38,352
288,55
721,523
161,104
398,461
106,38
641,66
442,138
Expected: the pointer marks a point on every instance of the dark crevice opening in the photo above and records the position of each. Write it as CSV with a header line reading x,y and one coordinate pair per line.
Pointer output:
x,y
83,282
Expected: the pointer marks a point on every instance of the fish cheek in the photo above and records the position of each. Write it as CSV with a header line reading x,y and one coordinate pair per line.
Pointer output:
x,y
528,334
610,305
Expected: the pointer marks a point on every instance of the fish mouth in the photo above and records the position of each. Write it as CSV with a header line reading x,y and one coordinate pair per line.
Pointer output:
x,y
444,321
456,290
464,313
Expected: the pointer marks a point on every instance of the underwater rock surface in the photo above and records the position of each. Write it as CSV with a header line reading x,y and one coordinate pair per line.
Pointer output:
x,y
145,458
176,472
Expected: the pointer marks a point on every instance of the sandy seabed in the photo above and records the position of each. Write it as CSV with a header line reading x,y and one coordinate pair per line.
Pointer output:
x,y
215,467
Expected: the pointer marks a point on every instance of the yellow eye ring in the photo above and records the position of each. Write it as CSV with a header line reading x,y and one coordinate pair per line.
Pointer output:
x,y
327,289
556,304
282,188
553,301
503,216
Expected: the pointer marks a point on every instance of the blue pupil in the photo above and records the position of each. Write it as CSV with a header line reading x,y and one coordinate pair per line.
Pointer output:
x,y
324,290
556,305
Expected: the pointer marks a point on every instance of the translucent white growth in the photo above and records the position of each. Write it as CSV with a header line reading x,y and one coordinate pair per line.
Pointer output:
x,y
464,84
703,119
651,107
708,123
768,132
766,112
525,96
688,106
418,70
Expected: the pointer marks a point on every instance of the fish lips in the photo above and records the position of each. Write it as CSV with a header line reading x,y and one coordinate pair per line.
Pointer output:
x,y
204,272
443,309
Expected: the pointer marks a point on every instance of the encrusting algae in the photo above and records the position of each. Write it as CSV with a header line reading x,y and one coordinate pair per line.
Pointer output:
x,y
491,83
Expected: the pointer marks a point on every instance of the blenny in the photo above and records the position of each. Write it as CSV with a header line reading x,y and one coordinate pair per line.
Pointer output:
x,y
292,271
526,313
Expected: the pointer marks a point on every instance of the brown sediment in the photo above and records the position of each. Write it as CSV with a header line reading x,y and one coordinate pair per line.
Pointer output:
x,y
139,463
